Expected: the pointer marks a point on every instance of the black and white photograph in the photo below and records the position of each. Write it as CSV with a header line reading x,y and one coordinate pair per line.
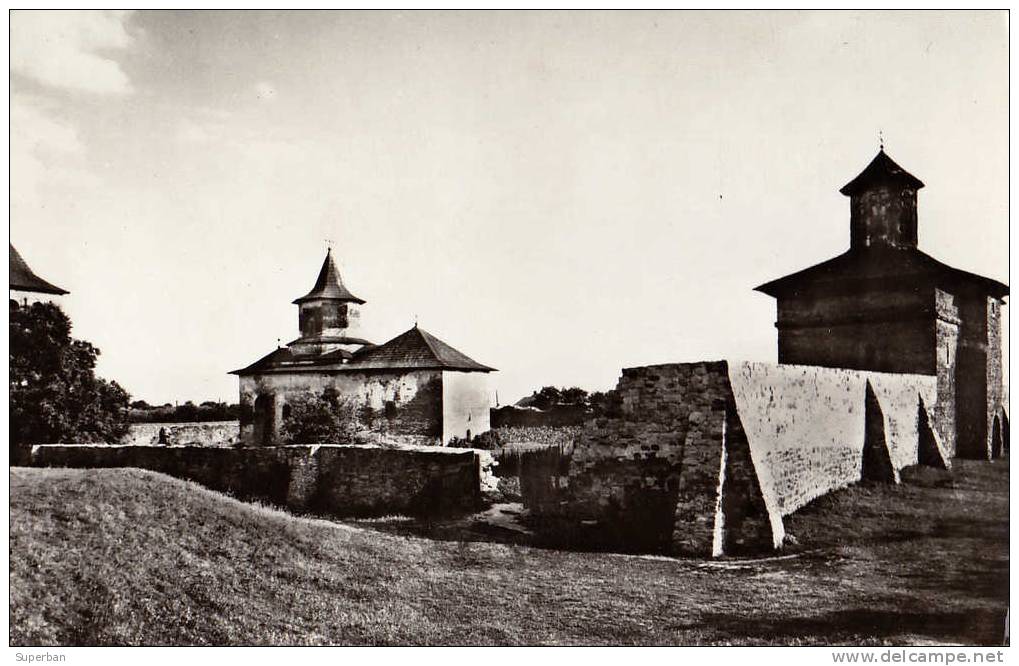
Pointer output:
x,y
509,327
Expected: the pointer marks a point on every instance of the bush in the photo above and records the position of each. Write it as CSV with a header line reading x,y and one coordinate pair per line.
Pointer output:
x,y
324,419
486,441
54,393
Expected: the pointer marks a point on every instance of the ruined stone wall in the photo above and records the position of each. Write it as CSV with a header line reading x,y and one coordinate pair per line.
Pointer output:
x,y
206,433
328,479
706,458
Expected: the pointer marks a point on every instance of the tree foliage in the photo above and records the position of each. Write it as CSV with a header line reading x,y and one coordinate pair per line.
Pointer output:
x,y
549,396
55,395
322,419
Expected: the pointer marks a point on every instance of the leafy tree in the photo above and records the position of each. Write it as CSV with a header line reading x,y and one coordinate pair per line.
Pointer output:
x,y
546,397
324,419
54,393
573,396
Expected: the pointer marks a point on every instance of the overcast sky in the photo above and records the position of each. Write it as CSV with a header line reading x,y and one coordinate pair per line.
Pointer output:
x,y
558,195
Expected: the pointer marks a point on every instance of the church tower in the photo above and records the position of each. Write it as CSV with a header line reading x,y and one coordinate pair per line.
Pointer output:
x,y
882,205
886,306
328,315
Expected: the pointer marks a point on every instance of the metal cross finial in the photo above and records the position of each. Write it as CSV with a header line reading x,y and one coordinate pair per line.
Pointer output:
x,y
415,321
881,139
329,245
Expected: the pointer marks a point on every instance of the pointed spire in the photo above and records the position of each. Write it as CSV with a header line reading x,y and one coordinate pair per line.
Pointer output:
x,y
882,170
329,285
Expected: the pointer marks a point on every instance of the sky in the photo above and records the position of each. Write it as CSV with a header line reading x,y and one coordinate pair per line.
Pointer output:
x,y
556,194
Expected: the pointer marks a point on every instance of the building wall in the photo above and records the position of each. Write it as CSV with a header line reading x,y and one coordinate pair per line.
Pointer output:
x,y
466,405
978,374
880,330
946,343
390,407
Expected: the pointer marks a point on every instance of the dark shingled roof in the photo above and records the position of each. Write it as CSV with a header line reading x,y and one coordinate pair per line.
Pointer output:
x,y
283,359
415,349
882,170
23,279
329,285
879,264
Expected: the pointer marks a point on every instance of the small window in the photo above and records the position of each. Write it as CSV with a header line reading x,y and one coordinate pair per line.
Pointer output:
x,y
390,409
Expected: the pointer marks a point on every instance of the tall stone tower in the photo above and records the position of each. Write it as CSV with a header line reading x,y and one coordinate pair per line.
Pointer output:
x,y
886,306
328,315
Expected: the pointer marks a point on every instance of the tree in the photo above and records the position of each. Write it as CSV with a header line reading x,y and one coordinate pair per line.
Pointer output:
x,y
323,419
54,393
573,396
546,397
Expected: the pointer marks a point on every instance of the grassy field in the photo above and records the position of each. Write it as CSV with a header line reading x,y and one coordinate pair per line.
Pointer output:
x,y
101,557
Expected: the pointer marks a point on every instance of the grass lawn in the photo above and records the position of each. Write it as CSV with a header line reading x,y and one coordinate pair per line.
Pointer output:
x,y
111,557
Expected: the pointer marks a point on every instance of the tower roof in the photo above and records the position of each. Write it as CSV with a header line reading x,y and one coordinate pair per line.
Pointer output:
x,y
23,279
329,285
884,268
882,170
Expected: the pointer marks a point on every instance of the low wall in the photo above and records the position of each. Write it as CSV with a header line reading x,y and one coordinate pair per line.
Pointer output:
x,y
707,458
205,433
333,480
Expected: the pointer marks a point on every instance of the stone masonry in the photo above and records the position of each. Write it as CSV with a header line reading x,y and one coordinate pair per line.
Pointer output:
x,y
707,458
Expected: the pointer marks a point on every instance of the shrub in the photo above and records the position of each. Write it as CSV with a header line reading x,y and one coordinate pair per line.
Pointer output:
x,y
324,419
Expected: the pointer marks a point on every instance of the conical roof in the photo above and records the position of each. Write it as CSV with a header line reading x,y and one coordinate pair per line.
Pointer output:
x,y
882,170
329,285
23,279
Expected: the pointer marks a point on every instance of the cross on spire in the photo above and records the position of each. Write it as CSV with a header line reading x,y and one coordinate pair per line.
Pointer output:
x,y
881,139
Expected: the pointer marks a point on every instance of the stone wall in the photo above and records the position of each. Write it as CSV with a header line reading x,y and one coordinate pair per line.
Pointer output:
x,y
979,375
328,479
706,458
206,433
946,341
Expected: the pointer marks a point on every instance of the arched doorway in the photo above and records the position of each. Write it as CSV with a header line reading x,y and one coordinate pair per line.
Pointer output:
x,y
265,417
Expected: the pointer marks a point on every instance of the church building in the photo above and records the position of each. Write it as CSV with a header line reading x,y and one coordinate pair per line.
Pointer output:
x,y
414,389
885,305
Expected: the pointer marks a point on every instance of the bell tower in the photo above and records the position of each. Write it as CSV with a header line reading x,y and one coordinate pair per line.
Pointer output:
x,y
882,205
328,315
